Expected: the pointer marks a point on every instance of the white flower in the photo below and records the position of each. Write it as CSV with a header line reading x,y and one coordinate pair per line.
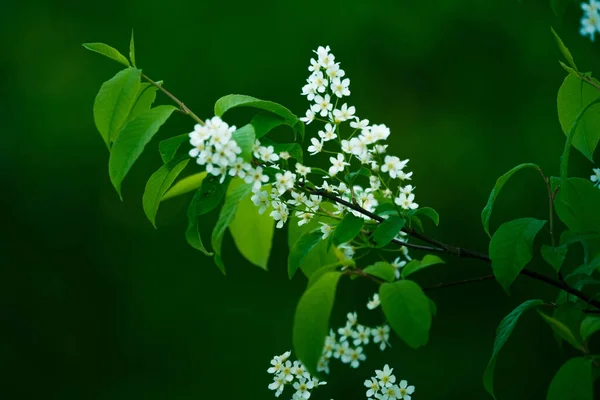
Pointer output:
x,y
374,303
302,170
310,117
341,350
387,193
405,390
255,176
302,388
407,189
280,214
261,200
593,7
326,230
391,392
337,164
322,105
590,23
355,356
309,90
318,80
298,198
346,148
277,365
340,87
323,365
381,334
299,370
352,318
304,217
314,65
267,154
385,376
239,168
397,265
327,187
393,166
344,114
329,133
596,177
278,384
374,183
406,202
285,181
334,71
357,146
286,371
361,335
347,251
373,386
284,155
330,344
315,147
381,132
345,332
359,124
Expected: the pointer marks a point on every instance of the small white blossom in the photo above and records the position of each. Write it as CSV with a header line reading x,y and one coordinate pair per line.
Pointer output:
x,y
302,170
385,376
329,133
337,164
361,335
261,200
405,390
406,202
373,386
343,114
284,155
374,303
596,177
397,265
310,117
340,87
315,147
326,230
256,177
381,334
322,105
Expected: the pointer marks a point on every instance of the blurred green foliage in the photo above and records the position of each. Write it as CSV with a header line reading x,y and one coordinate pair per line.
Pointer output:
x,y
96,304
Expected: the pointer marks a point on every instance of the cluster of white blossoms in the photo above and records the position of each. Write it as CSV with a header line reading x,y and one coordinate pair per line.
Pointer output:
x,y
590,22
383,386
294,374
596,177
347,345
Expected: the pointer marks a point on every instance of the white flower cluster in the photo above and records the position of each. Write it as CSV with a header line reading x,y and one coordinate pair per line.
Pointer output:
x,y
596,177
383,386
590,22
295,374
347,346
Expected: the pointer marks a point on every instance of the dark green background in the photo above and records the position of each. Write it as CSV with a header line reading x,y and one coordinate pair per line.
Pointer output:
x,y
96,304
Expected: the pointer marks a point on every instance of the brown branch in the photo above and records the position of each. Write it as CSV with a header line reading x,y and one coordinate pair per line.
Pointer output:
x,y
457,283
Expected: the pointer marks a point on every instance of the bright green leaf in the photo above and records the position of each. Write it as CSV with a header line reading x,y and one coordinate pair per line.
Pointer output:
x,y
388,230
185,185
557,7
407,310
158,184
503,332
169,147
206,199
311,321
107,51
511,248
427,212
554,256
145,99
383,270
589,326
132,50
245,138
487,210
294,149
348,228
301,248
416,265
563,331
114,101
573,381
131,141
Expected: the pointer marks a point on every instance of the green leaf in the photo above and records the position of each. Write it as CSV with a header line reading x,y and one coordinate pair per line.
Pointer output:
x,y
131,141
245,138
185,185
351,177
558,7
407,310
228,102
503,332
252,232
228,212
577,203
563,331
383,270
145,99
487,210
311,321
132,50
168,147
554,256
265,122
578,110
301,248
107,51
294,149
206,199
511,248
114,102
568,315
568,69
573,381
388,230
348,228
427,212
415,265
589,326
158,184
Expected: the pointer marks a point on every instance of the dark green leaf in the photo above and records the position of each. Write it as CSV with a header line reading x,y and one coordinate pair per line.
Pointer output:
x,y
131,141
558,7
311,321
114,101
502,334
245,138
511,248
388,230
589,326
132,50
563,331
185,185
206,199
383,270
571,317
158,184
427,212
573,381
416,265
407,310
168,147
554,256
301,248
487,210
386,209
228,212
265,122
577,203
107,51
348,228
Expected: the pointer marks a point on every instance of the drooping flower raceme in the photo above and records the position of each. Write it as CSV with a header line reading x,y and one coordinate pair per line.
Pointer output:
x,y
294,374
590,21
